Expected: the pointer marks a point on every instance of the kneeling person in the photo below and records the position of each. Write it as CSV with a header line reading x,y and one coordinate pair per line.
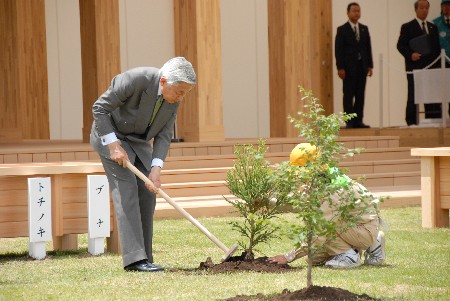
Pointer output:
x,y
345,250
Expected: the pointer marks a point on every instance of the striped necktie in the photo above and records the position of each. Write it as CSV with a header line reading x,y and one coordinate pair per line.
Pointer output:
x,y
355,29
156,109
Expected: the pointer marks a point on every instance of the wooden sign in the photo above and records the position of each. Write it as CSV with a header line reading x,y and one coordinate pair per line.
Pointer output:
x,y
39,215
98,213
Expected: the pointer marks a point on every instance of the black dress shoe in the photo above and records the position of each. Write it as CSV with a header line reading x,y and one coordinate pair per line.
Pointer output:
x,y
143,266
154,268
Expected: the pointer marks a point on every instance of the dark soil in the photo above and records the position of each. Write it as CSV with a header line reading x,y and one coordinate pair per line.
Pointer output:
x,y
238,264
313,293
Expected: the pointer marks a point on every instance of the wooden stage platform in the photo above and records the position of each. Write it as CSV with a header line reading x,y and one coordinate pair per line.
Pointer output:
x,y
408,136
194,173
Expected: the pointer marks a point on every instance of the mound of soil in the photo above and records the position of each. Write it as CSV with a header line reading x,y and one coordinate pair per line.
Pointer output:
x,y
238,264
312,293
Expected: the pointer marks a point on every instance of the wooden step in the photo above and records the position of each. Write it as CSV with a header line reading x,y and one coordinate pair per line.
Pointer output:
x,y
209,161
204,188
397,153
369,167
213,161
412,137
273,144
399,196
391,179
354,167
194,174
212,205
215,205
75,150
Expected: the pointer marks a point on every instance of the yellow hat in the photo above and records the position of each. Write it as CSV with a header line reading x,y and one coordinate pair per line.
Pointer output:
x,y
302,154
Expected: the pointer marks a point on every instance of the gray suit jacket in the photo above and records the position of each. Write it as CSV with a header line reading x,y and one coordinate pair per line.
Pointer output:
x,y
126,108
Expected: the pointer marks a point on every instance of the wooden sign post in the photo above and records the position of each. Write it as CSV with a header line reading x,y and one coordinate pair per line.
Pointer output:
x,y
98,213
39,215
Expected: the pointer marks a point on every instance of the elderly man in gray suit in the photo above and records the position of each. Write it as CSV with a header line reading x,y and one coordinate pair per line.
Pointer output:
x,y
140,105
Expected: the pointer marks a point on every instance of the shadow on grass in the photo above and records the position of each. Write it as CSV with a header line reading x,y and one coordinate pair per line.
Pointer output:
x,y
83,253
57,254
203,271
189,271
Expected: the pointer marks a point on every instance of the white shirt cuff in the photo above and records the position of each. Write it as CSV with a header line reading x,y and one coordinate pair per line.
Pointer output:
x,y
157,162
109,138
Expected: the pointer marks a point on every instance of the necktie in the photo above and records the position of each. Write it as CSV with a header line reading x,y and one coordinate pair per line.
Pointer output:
x,y
356,32
423,28
357,39
448,22
156,109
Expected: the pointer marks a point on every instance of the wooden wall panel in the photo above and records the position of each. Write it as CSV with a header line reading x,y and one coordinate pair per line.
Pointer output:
x,y
23,71
100,52
14,229
299,55
277,74
198,39
8,73
14,214
322,53
33,77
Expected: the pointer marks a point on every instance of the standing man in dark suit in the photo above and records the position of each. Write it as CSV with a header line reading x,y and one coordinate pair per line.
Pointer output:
x,y
414,60
353,51
140,105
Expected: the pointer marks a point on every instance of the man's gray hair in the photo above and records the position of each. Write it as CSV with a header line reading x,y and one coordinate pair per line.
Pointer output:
x,y
178,70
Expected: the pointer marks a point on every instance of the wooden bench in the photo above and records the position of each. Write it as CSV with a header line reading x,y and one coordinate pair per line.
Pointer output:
x,y
69,201
435,184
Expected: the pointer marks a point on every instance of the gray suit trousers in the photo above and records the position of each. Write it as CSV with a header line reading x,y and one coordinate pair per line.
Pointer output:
x,y
134,205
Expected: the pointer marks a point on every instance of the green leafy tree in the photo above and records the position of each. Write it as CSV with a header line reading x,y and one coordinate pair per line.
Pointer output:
x,y
250,181
308,188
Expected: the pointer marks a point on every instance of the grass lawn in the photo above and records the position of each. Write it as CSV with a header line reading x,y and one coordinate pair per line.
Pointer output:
x,y
417,268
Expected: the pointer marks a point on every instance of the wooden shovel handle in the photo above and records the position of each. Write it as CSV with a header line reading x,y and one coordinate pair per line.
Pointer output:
x,y
196,223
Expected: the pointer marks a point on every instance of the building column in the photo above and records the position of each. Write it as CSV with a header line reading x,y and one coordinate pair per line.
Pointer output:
x,y
300,54
100,52
23,71
198,39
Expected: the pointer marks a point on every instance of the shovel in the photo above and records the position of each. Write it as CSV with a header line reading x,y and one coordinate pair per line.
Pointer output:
x,y
228,251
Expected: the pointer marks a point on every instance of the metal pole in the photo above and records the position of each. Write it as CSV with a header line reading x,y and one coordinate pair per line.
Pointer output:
x,y
174,138
381,90
444,101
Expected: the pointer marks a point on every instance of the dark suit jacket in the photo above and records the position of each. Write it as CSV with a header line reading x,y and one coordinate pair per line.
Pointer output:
x,y
411,30
347,48
126,109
